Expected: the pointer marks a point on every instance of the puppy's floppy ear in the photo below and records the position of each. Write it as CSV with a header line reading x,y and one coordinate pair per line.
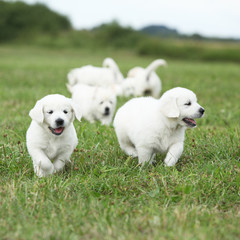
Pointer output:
x,y
37,112
169,107
76,110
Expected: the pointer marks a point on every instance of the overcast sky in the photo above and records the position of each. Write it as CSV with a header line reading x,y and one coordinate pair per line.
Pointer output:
x,y
220,18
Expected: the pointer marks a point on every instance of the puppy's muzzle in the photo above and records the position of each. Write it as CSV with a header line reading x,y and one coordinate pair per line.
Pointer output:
x,y
147,92
106,111
190,122
59,130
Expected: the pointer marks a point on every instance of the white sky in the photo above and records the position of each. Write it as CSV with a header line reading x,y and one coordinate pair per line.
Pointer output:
x,y
220,18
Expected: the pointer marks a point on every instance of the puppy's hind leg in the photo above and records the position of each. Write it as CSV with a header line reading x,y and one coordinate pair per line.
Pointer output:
x,y
145,155
128,147
130,150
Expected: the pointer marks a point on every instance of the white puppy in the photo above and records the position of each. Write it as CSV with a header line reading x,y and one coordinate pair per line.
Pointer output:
x,y
96,103
51,137
104,76
145,80
145,126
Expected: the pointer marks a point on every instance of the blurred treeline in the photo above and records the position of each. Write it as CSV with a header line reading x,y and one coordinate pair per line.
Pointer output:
x,y
21,23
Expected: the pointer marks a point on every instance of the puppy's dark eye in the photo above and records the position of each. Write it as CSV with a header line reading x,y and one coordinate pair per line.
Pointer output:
x,y
111,102
101,103
188,103
65,111
50,112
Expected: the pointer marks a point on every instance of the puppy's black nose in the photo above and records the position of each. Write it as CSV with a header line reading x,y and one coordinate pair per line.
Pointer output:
x,y
107,109
59,122
201,110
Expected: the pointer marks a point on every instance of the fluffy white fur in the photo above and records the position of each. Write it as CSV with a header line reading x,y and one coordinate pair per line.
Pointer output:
x,y
104,76
146,126
96,103
144,80
51,137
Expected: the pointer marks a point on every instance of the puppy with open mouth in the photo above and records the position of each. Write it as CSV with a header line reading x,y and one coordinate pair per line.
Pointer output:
x,y
146,126
51,137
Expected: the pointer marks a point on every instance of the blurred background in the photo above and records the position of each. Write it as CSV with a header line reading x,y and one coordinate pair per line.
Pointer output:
x,y
201,30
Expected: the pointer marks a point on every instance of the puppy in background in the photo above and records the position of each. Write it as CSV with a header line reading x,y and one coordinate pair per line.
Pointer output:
x,y
105,76
146,126
51,137
145,80
96,103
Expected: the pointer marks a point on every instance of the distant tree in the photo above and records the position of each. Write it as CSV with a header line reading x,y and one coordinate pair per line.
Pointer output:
x,y
116,35
197,36
160,30
18,19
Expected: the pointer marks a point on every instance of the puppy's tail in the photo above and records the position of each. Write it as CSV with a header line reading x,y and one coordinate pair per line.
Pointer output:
x,y
155,64
110,63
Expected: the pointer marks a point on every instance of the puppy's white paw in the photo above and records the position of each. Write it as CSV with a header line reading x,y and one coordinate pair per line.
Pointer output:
x,y
43,173
59,165
170,162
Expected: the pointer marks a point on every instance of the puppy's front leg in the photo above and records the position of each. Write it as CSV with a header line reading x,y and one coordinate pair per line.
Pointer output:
x,y
90,118
42,164
174,153
61,160
106,121
59,164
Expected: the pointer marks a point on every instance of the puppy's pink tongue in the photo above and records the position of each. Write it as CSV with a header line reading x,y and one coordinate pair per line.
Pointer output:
x,y
191,120
58,130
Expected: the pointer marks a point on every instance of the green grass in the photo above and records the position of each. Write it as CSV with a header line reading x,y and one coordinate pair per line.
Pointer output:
x,y
105,194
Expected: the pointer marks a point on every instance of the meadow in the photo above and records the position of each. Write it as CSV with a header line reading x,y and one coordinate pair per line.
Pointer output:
x,y
105,194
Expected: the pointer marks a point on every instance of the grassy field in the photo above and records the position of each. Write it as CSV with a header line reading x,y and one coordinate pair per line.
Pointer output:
x,y
105,194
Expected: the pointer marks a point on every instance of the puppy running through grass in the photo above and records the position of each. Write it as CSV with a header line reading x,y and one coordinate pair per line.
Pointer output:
x,y
146,126
96,103
51,137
